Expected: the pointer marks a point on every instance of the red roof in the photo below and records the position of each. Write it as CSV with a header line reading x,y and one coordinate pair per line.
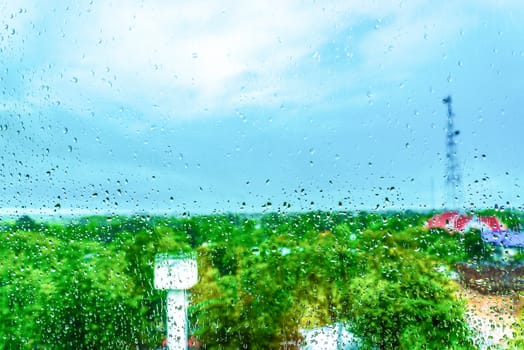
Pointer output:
x,y
454,221
443,220
493,223
462,222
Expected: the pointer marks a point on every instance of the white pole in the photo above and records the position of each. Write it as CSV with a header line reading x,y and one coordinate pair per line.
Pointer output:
x,y
176,275
176,319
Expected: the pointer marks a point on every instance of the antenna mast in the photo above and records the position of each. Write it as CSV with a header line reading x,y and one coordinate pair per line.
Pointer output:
x,y
453,178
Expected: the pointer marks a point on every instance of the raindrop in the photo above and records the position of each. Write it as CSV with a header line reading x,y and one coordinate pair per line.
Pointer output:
x,y
74,80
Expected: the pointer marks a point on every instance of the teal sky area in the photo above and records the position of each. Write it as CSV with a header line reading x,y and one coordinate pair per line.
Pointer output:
x,y
225,106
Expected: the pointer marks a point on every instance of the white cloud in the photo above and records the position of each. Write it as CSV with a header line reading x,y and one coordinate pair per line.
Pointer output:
x,y
182,58
194,56
209,51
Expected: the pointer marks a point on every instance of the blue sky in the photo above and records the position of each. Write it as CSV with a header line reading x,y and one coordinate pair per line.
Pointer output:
x,y
210,106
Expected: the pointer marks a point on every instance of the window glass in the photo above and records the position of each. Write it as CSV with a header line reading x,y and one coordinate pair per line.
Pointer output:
x,y
261,175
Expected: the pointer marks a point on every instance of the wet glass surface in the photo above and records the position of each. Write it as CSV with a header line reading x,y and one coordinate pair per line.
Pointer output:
x,y
346,175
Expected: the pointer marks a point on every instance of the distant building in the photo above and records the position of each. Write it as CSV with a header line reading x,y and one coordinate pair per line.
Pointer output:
x,y
503,272
507,244
453,221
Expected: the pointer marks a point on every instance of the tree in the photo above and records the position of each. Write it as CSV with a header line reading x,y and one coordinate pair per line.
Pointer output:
x,y
475,248
249,309
26,223
401,301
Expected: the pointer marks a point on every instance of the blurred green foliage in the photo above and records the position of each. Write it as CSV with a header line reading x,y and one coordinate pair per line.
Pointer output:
x,y
87,283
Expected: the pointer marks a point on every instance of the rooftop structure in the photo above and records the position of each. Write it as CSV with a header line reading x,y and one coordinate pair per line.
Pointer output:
x,y
507,239
454,221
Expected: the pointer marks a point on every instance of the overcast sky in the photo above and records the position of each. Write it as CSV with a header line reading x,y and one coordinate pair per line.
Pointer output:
x,y
218,106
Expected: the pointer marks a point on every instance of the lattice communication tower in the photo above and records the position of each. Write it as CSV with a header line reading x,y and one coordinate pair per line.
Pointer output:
x,y
453,177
